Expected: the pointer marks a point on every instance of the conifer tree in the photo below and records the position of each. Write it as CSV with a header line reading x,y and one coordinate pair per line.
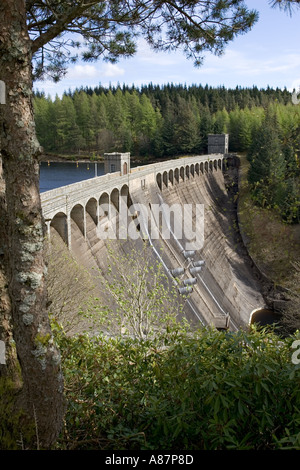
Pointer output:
x,y
186,127
267,164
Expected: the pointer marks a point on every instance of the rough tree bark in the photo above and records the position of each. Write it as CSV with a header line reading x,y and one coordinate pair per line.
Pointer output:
x,y
23,295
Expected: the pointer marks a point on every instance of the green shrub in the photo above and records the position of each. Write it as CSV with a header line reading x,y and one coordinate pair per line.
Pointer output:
x,y
205,391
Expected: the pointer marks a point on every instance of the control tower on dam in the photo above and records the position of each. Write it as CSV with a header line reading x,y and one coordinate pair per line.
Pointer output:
x,y
184,213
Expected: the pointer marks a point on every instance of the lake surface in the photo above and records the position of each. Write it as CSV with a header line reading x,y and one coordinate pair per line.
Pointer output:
x,y
56,174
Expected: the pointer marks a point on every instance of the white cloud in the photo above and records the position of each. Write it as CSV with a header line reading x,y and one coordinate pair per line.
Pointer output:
x,y
240,63
161,59
147,55
111,70
79,72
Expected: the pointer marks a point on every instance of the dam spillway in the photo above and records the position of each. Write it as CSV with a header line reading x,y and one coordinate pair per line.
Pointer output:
x,y
225,290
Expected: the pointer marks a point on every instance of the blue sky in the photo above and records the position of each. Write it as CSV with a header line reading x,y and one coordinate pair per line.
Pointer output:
x,y
268,55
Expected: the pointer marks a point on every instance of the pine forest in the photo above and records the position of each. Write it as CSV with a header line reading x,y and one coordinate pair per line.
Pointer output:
x,y
174,120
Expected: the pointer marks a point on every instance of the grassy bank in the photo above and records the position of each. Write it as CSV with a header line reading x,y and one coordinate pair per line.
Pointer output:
x,y
272,244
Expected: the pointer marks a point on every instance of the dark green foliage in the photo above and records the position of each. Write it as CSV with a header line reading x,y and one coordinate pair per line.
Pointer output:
x,y
157,121
109,29
274,167
267,161
286,5
202,391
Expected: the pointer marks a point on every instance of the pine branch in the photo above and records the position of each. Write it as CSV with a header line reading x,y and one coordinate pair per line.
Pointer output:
x,y
60,25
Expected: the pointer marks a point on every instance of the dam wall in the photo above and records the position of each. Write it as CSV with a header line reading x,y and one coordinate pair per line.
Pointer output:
x,y
224,291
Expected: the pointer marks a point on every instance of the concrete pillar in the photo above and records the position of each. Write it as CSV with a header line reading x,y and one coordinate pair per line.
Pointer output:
x,y
84,222
48,222
69,231
98,213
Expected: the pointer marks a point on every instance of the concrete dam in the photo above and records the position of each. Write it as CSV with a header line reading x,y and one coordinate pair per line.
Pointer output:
x,y
214,274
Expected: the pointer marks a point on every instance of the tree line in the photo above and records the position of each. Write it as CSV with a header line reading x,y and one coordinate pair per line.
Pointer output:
x,y
170,120
153,120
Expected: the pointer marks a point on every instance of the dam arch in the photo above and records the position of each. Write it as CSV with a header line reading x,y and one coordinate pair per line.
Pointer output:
x,y
114,198
77,214
159,181
263,316
92,209
104,205
60,224
181,173
125,199
165,178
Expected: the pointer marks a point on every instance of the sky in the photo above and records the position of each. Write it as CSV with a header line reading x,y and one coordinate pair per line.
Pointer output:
x,y
268,55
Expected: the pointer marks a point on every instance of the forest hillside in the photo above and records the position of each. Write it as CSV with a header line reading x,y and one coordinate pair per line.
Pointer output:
x,y
157,121
154,122
172,120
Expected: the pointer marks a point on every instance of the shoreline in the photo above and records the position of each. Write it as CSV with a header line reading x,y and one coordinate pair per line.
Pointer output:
x,y
58,158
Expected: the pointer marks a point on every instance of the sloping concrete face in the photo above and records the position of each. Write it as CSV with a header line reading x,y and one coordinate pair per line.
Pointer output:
x,y
225,283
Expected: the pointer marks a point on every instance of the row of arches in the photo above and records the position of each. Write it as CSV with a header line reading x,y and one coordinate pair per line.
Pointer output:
x,y
177,175
102,205
97,208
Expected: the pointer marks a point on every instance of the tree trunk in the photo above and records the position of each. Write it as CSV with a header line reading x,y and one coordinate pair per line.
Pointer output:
x,y
22,281
8,359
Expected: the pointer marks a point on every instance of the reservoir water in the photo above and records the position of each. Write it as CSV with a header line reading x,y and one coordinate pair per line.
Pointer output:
x,y
56,174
